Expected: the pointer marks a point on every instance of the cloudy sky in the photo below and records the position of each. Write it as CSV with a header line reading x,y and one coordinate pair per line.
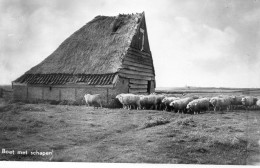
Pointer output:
x,y
193,42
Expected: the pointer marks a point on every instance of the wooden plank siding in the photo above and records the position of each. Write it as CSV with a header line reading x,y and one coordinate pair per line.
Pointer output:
x,y
140,61
135,51
137,64
131,72
129,63
136,58
130,76
136,81
136,86
141,54
139,58
137,90
137,68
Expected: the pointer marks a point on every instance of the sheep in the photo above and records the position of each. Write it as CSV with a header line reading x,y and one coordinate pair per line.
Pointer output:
x,y
181,104
235,101
198,105
220,103
258,103
148,101
159,99
167,100
93,100
128,100
249,101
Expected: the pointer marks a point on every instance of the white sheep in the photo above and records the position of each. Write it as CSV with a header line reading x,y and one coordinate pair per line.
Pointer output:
x,y
93,100
220,103
128,100
249,101
167,100
181,104
148,101
258,103
198,105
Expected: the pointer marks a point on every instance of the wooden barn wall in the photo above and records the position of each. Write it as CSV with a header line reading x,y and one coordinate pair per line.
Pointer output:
x,y
137,65
137,39
122,86
152,90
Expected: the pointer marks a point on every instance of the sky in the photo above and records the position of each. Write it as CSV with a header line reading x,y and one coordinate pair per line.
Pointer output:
x,y
203,43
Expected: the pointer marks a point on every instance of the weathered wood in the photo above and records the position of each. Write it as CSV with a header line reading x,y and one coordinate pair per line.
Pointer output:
x,y
138,56
137,69
135,76
136,81
135,72
145,62
137,90
137,64
136,86
139,52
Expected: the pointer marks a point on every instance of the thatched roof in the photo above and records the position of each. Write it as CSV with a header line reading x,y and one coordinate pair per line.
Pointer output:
x,y
96,48
61,79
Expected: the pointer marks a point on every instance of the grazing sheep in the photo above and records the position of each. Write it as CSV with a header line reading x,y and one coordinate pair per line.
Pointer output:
x,y
159,99
148,101
93,100
249,101
198,105
220,103
236,101
167,100
181,104
128,100
258,103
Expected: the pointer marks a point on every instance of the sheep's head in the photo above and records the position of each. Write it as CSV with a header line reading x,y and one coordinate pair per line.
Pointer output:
x,y
213,101
164,100
172,104
243,100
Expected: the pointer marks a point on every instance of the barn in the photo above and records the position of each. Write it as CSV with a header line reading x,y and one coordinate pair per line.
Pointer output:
x,y
107,56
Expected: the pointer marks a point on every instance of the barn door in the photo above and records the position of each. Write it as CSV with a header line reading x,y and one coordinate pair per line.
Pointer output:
x,y
149,87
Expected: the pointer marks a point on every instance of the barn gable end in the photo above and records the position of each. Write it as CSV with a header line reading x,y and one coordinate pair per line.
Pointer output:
x,y
138,63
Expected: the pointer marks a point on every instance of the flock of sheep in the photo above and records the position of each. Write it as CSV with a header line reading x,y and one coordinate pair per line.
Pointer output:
x,y
184,104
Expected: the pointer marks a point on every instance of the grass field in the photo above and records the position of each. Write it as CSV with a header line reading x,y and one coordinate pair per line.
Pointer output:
x,y
82,134
209,90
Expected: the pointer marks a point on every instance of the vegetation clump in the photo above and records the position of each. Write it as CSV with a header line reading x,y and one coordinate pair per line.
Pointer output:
x,y
188,122
156,122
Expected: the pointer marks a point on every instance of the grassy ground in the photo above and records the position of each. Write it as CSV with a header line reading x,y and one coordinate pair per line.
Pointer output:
x,y
79,133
